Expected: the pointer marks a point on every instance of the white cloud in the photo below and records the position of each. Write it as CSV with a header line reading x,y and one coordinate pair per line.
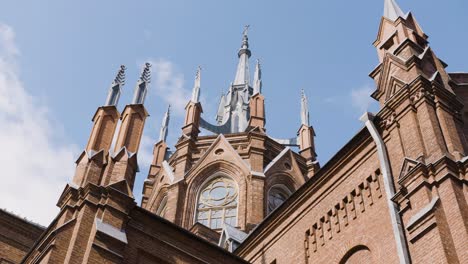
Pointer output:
x,y
360,98
168,84
34,168
145,153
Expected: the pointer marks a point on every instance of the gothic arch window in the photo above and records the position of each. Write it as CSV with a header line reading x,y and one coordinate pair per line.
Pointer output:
x,y
276,196
162,208
217,203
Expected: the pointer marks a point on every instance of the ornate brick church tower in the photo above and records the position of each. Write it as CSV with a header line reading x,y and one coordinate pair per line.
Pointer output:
x,y
237,174
395,193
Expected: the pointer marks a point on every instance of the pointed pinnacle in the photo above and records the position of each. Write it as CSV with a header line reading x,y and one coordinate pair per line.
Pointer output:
x,y
304,109
120,77
196,86
146,73
392,11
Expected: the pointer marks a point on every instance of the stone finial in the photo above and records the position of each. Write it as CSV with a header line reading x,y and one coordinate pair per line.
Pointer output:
x,y
142,85
165,125
392,11
257,85
196,86
114,91
304,109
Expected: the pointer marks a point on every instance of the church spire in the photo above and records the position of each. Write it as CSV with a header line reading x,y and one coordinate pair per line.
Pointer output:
x,y
165,125
306,139
257,85
196,86
242,74
142,85
220,113
304,109
392,11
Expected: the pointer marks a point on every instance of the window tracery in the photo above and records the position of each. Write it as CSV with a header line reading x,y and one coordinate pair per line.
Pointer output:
x,y
217,203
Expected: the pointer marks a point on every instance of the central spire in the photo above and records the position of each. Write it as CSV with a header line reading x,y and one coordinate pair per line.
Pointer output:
x,y
242,74
392,11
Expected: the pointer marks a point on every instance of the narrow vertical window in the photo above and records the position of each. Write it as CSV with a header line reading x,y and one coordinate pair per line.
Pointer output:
x,y
217,203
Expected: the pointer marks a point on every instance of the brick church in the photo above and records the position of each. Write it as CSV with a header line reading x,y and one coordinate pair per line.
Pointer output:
x,y
397,192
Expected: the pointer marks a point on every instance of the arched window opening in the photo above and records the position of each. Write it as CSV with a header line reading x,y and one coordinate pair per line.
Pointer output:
x,y
217,203
276,196
162,208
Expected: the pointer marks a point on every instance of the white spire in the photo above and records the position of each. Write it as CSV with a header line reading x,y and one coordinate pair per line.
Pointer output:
x,y
304,109
392,11
196,86
114,91
220,114
142,85
257,85
165,125
243,74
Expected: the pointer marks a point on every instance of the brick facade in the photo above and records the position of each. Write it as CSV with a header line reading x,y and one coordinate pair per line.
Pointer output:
x,y
395,193
17,237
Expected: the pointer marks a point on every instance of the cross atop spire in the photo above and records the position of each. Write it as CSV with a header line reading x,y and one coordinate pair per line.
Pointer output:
x,y
114,91
245,38
142,85
165,125
304,109
392,11
196,86
246,30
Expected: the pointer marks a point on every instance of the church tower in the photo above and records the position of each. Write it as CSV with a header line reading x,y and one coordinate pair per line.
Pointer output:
x,y
422,124
235,175
95,207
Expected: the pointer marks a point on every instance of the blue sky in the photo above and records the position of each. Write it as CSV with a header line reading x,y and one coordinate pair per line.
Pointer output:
x,y
58,59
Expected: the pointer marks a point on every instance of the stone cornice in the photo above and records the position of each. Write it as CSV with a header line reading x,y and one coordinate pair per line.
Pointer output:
x,y
428,175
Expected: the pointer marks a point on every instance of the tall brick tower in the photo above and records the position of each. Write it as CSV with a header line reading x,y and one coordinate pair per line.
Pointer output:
x,y
95,207
422,123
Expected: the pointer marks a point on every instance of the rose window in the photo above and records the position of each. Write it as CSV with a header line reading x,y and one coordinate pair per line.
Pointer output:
x,y
217,203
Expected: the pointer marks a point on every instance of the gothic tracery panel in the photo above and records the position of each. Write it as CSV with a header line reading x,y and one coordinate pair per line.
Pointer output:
x,y
217,203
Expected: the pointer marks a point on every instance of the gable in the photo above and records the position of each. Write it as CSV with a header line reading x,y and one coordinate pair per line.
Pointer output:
x,y
220,152
408,166
285,163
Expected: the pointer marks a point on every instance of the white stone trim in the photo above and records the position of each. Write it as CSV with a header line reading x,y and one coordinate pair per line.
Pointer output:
x,y
398,232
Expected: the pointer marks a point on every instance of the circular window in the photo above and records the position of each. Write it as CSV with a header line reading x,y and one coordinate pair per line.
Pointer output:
x,y
287,165
219,151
